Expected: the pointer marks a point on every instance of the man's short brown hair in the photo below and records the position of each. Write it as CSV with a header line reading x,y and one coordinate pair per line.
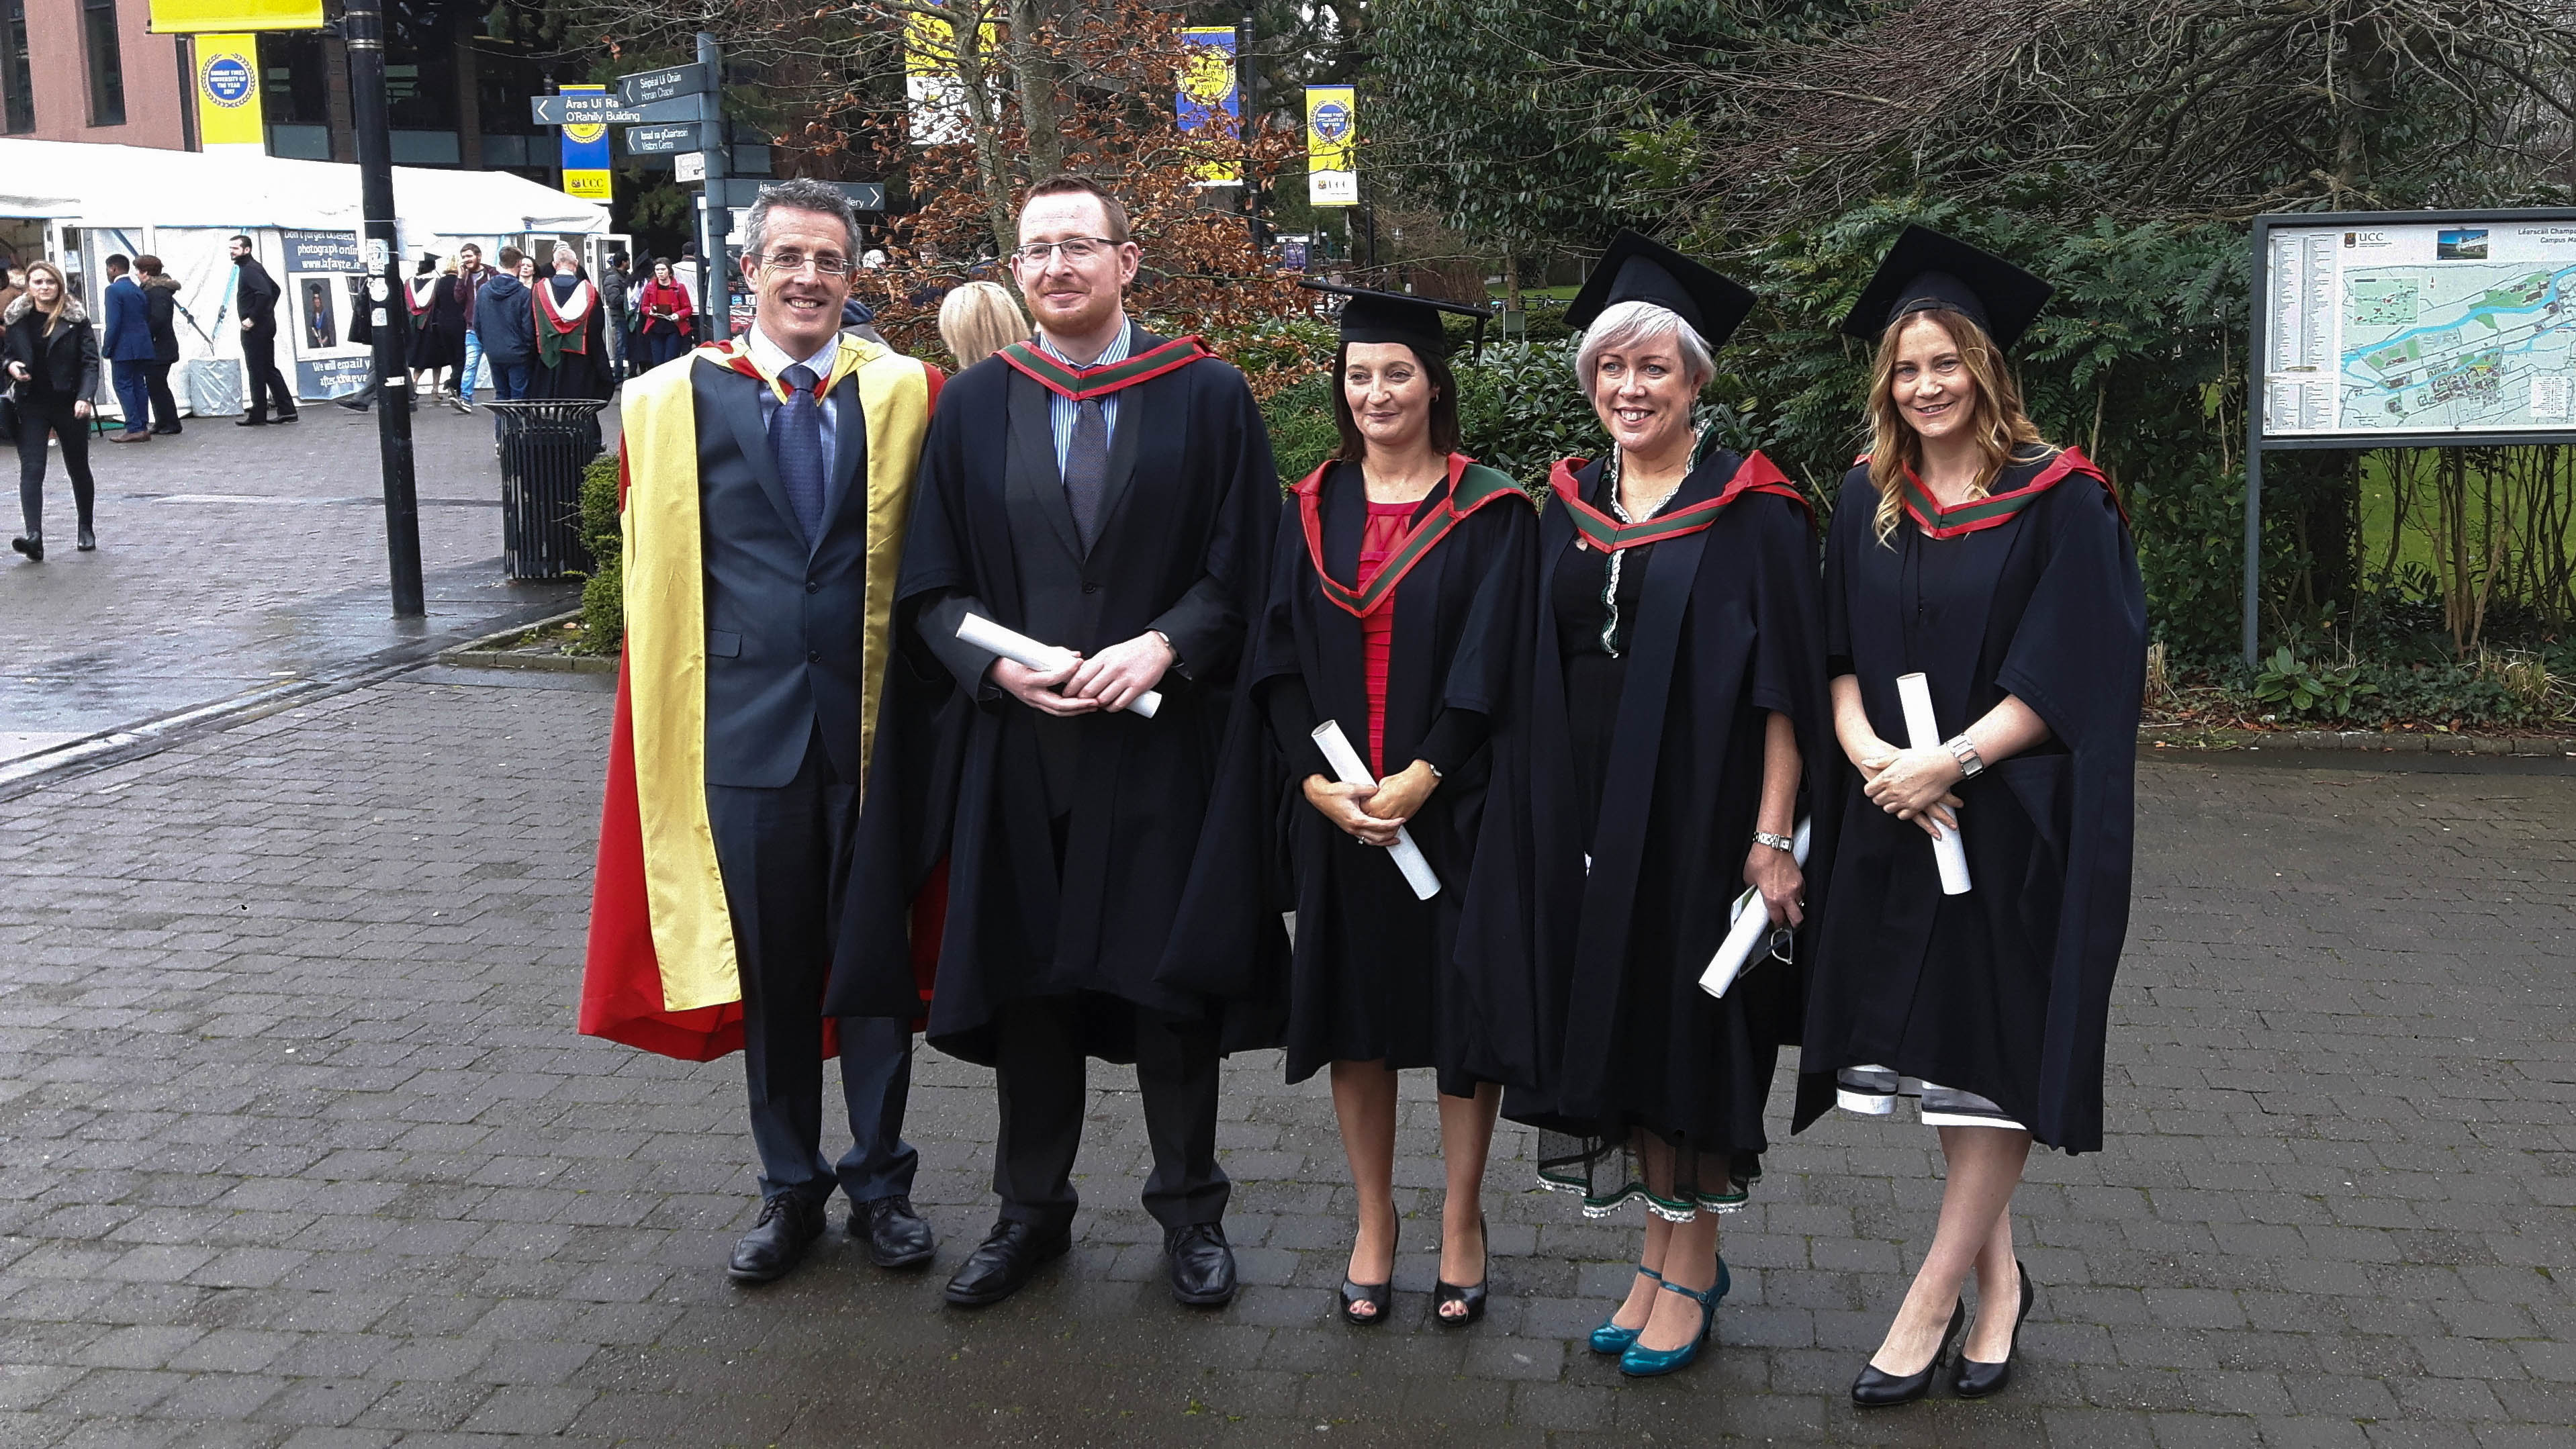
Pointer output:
x,y
1082,186
512,256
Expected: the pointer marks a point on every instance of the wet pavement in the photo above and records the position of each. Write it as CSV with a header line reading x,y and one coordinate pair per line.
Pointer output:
x,y
298,1148
235,560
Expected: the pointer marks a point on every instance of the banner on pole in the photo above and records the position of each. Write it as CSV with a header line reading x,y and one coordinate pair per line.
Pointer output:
x,y
227,86
585,149
1332,146
224,17
1210,102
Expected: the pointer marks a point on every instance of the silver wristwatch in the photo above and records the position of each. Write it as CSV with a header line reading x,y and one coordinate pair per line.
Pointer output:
x,y
1776,842
1964,750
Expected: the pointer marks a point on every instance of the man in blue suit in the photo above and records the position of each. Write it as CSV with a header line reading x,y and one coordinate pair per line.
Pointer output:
x,y
127,343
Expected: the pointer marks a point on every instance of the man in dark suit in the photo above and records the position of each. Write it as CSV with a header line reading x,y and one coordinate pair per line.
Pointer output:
x,y
126,343
767,483
255,299
1110,492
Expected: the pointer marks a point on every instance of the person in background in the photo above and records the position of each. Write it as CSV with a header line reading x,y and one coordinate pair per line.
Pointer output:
x,y
685,270
978,320
858,319
571,328
51,353
127,345
471,274
506,318
13,281
440,341
255,299
613,286
668,319
161,315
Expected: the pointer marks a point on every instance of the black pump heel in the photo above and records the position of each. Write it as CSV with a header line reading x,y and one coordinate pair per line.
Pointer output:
x,y
1975,1380
1444,1293
1876,1388
1376,1295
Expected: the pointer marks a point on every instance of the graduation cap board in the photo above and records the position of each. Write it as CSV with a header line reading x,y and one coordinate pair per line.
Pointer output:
x,y
1637,269
1369,316
1926,271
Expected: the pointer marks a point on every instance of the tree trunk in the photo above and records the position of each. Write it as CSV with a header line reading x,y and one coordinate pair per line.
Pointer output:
x,y
2359,100
984,117
1042,79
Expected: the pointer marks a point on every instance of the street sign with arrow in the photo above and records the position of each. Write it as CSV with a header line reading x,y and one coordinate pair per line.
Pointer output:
x,y
645,87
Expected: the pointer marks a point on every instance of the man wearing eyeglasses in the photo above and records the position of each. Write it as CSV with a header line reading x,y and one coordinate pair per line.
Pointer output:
x,y
767,483
1111,492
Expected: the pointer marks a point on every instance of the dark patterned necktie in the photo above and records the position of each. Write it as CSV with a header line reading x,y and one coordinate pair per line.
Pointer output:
x,y
1086,469
796,440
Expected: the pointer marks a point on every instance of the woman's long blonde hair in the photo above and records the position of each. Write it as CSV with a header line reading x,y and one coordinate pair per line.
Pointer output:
x,y
978,320
62,295
1996,420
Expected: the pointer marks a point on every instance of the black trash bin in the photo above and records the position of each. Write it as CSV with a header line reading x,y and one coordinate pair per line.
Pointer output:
x,y
545,446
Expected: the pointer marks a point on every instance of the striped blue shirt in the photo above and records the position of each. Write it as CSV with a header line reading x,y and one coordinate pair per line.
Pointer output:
x,y
1062,411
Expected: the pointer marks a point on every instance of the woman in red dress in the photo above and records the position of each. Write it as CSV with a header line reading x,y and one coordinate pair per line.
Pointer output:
x,y
1398,611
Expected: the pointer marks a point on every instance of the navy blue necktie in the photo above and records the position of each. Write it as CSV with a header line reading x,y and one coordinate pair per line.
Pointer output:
x,y
796,441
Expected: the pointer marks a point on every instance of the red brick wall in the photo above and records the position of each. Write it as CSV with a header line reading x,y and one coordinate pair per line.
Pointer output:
x,y
156,91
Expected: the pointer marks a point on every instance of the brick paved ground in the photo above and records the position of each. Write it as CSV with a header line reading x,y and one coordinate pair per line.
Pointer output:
x,y
231,559
297,1147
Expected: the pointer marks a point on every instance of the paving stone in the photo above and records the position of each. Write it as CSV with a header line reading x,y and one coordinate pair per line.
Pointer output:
x,y
369,1189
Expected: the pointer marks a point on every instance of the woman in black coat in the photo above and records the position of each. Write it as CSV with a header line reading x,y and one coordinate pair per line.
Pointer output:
x,y
1676,689
161,313
51,353
1971,556
1397,611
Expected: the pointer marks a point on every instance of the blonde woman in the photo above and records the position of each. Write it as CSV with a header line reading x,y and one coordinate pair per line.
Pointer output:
x,y
1968,550
51,353
978,320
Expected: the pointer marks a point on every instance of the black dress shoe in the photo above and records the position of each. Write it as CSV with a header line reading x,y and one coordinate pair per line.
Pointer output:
x,y
250,420
288,417
85,541
33,546
1876,1388
776,1244
1202,1264
173,428
1976,1380
1005,1261
1470,1296
896,1235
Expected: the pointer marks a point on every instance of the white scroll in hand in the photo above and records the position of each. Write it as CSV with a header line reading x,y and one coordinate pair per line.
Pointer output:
x,y
1028,653
1346,763
1752,926
1923,732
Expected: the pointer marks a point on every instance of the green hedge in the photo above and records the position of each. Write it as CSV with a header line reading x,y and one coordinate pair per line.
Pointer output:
x,y
603,596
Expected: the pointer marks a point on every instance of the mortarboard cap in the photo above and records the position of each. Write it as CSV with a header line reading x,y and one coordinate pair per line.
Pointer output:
x,y
1636,269
1395,317
1926,271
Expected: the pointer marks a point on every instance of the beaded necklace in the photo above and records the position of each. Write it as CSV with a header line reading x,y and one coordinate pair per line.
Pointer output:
x,y
1618,557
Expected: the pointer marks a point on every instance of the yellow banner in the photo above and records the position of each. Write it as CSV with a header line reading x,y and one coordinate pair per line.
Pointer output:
x,y
227,86
199,17
1332,146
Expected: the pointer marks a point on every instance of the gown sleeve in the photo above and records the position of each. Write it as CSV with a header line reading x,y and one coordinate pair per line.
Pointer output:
x,y
1206,624
2078,655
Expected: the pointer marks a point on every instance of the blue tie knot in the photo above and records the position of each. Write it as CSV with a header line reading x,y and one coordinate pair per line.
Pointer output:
x,y
800,378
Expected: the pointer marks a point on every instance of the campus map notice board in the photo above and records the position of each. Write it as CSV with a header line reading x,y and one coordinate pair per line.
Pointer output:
x,y
2378,328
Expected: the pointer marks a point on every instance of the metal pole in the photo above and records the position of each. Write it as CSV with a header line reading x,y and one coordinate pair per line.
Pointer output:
x,y
2255,363
1247,84
362,25
714,289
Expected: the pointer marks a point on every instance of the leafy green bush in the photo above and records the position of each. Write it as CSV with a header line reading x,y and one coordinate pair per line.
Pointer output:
x,y
603,594
2304,690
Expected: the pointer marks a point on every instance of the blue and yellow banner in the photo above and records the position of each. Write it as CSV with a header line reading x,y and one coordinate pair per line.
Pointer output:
x,y
205,17
1332,146
226,83
585,151
1209,100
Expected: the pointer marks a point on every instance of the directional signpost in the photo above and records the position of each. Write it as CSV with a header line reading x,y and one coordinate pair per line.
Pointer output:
x,y
645,87
580,109
662,140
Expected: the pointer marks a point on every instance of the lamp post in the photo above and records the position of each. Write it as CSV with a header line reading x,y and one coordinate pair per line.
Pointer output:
x,y
362,26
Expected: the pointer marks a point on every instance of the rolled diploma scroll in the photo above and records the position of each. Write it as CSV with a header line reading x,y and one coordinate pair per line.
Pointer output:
x,y
1346,763
1752,925
1924,733
1028,653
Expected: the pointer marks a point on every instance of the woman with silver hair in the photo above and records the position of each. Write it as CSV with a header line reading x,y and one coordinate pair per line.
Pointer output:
x,y
1677,688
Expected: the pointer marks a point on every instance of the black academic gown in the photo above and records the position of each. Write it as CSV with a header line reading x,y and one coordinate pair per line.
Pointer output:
x,y
1728,629
1072,841
575,374
2004,991
1374,975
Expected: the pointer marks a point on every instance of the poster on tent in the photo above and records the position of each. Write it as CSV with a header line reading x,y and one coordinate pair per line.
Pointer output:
x,y
317,309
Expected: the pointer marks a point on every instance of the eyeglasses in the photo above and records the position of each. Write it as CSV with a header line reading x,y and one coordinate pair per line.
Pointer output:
x,y
1076,249
825,264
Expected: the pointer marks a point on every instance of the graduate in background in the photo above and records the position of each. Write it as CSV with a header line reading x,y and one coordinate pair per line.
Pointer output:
x,y
1110,492
1969,550
1399,609
1677,688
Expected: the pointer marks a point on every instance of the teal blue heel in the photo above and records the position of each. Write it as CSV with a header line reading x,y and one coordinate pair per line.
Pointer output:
x,y
1646,1363
1610,1338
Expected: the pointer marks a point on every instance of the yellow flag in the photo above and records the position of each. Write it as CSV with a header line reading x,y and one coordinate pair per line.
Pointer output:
x,y
1332,146
227,86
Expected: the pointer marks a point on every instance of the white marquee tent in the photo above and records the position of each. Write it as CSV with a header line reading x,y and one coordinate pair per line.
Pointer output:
x,y
78,202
